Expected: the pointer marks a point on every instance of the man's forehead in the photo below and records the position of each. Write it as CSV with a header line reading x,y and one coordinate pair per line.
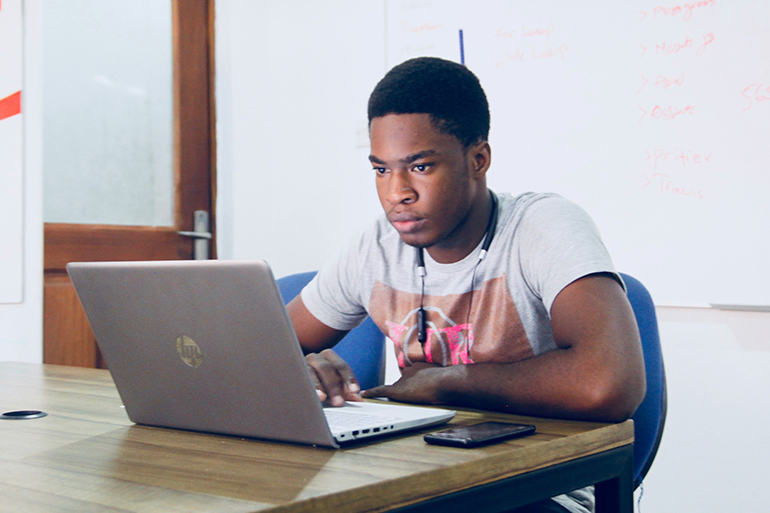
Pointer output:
x,y
407,137
409,158
402,122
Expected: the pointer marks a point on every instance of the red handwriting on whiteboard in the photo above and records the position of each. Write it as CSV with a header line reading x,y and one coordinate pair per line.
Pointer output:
x,y
538,31
550,52
667,113
666,82
645,80
416,5
660,157
670,113
509,56
421,29
664,184
707,40
756,93
417,49
670,48
503,33
662,82
685,10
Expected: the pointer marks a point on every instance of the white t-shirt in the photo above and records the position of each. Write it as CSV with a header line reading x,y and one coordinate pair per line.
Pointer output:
x,y
542,243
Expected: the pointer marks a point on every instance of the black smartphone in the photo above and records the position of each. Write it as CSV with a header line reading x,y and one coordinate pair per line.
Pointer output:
x,y
479,434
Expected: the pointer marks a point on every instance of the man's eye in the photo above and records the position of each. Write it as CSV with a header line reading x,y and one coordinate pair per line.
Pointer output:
x,y
380,170
421,168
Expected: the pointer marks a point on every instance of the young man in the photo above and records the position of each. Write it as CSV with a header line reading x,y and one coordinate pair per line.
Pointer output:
x,y
502,302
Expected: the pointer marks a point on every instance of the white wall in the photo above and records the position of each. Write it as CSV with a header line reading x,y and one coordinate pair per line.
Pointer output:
x,y
292,83
21,324
714,452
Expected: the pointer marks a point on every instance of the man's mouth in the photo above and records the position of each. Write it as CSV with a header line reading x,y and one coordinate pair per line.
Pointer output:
x,y
406,222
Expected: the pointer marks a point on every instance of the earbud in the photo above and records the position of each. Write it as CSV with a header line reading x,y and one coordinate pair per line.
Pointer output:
x,y
422,326
422,322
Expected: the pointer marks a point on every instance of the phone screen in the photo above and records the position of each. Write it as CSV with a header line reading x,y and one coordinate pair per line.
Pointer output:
x,y
479,434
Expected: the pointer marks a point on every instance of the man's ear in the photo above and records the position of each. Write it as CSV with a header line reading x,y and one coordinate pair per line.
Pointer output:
x,y
479,157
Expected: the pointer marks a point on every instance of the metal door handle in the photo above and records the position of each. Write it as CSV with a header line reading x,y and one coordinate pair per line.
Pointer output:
x,y
201,235
196,235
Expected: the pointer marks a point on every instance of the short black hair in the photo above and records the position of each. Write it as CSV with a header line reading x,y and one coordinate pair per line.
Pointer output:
x,y
448,91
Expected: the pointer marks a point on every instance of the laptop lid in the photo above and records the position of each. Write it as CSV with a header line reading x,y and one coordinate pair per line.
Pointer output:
x,y
206,346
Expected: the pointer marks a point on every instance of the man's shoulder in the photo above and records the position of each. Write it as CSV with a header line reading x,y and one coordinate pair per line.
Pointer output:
x,y
532,206
526,200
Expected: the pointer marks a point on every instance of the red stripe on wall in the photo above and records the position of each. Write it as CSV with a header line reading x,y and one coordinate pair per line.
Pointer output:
x,y
11,105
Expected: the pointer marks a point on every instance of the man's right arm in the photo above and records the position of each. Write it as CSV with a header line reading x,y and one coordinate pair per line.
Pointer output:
x,y
333,378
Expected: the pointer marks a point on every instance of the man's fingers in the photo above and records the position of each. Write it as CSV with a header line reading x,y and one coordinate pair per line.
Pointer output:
x,y
329,380
343,369
316,382
335,380
379,391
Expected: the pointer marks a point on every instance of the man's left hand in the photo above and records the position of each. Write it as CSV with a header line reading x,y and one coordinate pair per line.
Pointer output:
x,y
419,383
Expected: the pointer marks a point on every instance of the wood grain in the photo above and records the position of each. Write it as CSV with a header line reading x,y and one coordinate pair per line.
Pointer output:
x,y
65,243
193,121
87,456
70,340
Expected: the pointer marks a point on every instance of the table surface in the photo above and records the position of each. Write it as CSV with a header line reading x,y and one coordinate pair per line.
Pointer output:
x,y
87,456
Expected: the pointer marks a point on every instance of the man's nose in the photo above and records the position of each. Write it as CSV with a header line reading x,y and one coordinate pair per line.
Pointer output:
x,y
400,188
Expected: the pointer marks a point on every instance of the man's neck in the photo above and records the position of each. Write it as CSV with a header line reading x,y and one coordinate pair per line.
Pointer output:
x,y
467,235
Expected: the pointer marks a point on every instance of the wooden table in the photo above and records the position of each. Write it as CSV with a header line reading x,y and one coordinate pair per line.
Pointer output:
x,y
87,456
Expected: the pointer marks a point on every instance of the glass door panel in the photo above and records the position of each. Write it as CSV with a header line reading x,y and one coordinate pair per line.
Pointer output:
x,y
108,112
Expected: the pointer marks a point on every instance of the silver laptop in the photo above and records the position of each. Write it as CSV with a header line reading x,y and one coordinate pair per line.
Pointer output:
x,y
208,346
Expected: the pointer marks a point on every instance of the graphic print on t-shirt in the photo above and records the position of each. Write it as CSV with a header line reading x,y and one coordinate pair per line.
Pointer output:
x,y
492,333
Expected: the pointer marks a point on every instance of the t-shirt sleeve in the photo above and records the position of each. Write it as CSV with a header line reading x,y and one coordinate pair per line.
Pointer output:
x,y
333,296
560,245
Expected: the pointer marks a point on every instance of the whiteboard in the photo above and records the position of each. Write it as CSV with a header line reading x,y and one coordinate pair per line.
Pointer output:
x,y
655,118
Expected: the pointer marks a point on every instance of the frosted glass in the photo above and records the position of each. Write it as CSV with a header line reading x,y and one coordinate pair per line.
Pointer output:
x,y
108,112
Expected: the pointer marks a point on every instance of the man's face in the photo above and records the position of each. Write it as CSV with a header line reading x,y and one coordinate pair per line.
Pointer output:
x,y
427,182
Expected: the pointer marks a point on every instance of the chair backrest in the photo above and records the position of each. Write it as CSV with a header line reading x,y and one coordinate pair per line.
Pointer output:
x,y
650,417
363,348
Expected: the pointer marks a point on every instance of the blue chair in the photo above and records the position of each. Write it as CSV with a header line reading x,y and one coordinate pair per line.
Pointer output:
x,y
363,348
650,417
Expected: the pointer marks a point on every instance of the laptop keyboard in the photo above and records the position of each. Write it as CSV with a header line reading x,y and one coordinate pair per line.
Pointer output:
x,y
338,419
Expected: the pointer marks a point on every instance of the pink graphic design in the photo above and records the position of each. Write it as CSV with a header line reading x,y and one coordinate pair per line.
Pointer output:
x,y
454,336
395,330
394,333
458,351
449,337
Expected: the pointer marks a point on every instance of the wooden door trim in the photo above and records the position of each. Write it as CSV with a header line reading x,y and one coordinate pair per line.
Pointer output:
x,y
66,243
193,114
212,113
